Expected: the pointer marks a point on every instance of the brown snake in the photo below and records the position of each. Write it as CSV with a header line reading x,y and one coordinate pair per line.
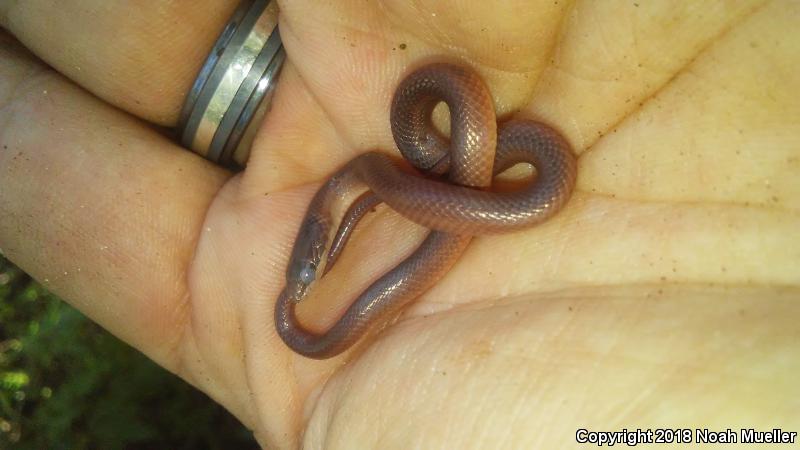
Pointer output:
x,y
455,210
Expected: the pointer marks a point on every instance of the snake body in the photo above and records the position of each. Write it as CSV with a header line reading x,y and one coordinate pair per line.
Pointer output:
x,y
454,210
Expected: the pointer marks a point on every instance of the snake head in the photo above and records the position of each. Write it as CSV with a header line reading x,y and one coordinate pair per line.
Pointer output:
x,y
306,259
299,279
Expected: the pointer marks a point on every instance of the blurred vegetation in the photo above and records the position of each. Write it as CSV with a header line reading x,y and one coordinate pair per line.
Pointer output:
x,y
65,383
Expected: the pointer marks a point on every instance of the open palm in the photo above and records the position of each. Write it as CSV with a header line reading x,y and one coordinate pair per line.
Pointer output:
x,y
665,295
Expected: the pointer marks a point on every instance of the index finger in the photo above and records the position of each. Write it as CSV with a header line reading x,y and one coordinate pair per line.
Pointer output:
x,y
142,61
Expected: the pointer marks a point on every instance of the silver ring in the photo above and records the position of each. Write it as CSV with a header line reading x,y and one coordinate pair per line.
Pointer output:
x,y
234,87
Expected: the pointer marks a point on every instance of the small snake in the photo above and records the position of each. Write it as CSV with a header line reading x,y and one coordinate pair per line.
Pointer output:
x,y
455,210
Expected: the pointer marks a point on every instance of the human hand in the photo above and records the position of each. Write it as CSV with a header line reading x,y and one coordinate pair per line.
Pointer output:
x,y
664,295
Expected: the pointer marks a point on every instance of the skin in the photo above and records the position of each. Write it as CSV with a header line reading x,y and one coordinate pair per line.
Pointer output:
x,y
665,294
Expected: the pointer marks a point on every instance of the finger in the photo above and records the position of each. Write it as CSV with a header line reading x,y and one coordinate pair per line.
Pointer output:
x,y
143,60
353,74
614,56
334,102
98,207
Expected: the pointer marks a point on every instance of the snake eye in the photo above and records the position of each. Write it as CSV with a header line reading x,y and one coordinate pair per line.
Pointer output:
x,y
307,275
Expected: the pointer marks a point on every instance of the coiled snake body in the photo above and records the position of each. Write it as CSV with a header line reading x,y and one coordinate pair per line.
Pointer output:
x,y
455,210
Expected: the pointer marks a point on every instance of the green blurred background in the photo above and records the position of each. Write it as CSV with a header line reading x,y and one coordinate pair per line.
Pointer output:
x,y
65,383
